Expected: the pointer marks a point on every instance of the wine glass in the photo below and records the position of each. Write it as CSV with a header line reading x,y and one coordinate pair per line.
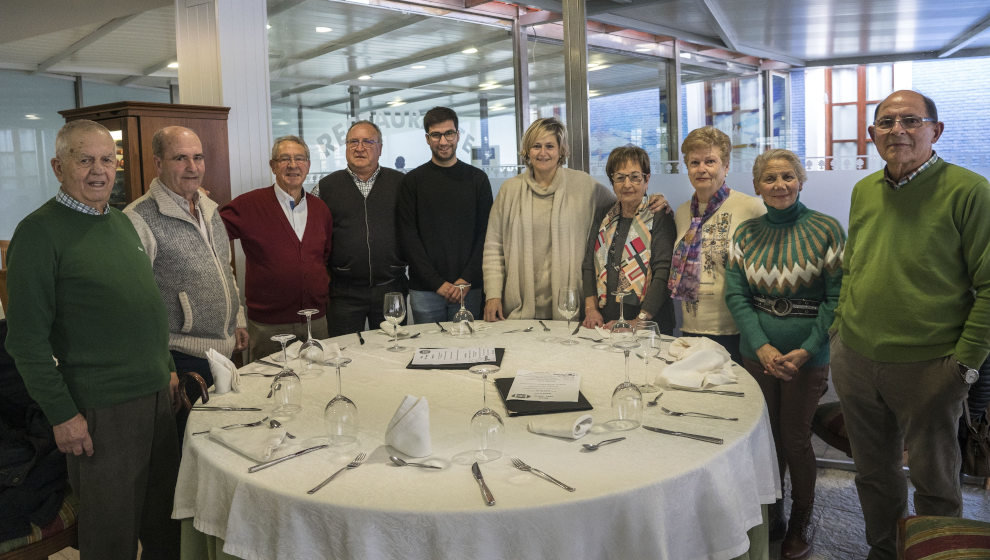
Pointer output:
x,y
621,324
648,334
486,423
627,399
395,311
340,415
568,301
463,319
286,389
311,351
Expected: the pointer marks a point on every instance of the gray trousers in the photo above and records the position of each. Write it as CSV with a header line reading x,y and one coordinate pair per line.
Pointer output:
x,y
886,407
127,486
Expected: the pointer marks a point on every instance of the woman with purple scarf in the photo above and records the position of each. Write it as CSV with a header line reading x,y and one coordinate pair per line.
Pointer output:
x,y
705,225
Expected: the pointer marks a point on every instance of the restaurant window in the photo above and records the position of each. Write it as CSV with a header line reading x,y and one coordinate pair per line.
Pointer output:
x,y
735,106
853,93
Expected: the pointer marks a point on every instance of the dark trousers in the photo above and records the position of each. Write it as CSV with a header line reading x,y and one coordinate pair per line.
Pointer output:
x,y
185,363
728,341
127,486
353,303
791,405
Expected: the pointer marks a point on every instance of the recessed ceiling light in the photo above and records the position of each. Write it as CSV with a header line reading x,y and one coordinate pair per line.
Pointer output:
x,y
593,67
685,55
594,93
419,67
321,29
173,65
470,50
396,102
268,26
496,107
32,117
489,85
364,77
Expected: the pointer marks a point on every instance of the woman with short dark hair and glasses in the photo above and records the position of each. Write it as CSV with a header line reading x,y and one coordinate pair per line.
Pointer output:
x,y
629,249
782,286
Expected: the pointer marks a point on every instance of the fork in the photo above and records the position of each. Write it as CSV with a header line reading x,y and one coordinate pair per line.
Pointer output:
x,y
352,465
517,463
669,412
527,329
544,325
232,426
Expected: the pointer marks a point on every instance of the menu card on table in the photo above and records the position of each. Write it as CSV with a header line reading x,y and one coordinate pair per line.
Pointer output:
x,y
532,392
455,358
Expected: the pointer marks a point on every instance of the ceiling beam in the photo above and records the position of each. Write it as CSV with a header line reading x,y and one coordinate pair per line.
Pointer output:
x,y
89,39
721,22
386,26
284,7
157,67
594,7
964,38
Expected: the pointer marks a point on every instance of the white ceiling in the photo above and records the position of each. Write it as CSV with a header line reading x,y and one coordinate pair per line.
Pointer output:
x,y
130,43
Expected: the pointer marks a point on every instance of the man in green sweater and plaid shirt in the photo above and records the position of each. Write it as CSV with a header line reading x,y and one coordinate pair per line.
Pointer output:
x,y
913,319
89,335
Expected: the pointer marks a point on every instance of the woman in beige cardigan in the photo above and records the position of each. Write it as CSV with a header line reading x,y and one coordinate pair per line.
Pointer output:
x,y
538,228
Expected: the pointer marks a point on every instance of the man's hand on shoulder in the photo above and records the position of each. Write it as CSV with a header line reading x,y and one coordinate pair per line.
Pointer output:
x,y
72,436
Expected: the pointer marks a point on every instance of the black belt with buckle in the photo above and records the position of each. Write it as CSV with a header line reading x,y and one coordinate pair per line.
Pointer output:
x,y
784,307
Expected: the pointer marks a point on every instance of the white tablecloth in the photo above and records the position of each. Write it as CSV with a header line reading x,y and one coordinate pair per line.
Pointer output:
x,y
651,496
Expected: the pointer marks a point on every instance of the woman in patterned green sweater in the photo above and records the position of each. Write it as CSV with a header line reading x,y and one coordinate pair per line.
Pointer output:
x,y
782,286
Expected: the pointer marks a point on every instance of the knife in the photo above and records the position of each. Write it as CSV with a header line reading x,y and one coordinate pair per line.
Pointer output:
x,y
576,329
267,363
544,325
708,439
225,408
267,464
443,330
712,391
361,338
485,492
468,323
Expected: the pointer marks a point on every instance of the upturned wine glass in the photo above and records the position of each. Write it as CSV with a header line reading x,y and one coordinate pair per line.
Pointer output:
x,y
648,334
568,303
394,310
340,417
311,351
463,319
286,389
486,424
627,399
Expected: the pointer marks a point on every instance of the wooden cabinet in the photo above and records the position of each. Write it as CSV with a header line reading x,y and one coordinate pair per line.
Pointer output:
x,y
133,124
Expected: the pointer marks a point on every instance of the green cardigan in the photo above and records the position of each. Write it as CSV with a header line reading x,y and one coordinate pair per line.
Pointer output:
x,y
792,253
81,290
917,268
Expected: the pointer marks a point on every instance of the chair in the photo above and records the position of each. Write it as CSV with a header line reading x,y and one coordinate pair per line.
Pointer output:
x,y
4,243
930,537
44,541
4,302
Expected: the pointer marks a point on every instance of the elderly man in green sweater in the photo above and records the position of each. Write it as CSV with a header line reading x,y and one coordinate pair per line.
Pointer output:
x,y
913,320
89,335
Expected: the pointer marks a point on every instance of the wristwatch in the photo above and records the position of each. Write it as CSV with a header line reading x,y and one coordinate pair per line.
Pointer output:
x,y
968,374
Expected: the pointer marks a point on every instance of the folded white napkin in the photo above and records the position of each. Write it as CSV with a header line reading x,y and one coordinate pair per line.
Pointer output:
x,y
703,368
225,376
409,430
258,443
688,345
573,427
387,328
604,333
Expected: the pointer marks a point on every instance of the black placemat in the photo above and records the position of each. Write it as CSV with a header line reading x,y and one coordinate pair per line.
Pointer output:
x,y
499,354
523,408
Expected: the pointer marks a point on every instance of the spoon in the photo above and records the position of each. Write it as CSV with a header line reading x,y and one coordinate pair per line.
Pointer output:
x,y
404,463
655,399
595,446
276,424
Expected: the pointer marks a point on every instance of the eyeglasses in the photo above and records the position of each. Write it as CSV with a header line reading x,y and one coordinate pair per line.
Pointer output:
x,y
449,135
286,160
634,178
908,123
367,143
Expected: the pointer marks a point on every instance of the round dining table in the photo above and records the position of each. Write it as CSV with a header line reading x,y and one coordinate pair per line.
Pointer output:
x,y
651,495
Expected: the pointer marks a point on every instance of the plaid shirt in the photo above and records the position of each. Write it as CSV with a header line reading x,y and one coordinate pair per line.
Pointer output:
x,y
898,184
67,200
363,186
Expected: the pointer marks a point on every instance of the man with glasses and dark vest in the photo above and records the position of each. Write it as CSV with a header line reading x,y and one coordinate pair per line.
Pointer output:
x,y
913,319
365,263
286,234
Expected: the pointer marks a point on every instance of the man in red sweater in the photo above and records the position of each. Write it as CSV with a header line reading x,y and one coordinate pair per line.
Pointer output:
x,y
286,235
